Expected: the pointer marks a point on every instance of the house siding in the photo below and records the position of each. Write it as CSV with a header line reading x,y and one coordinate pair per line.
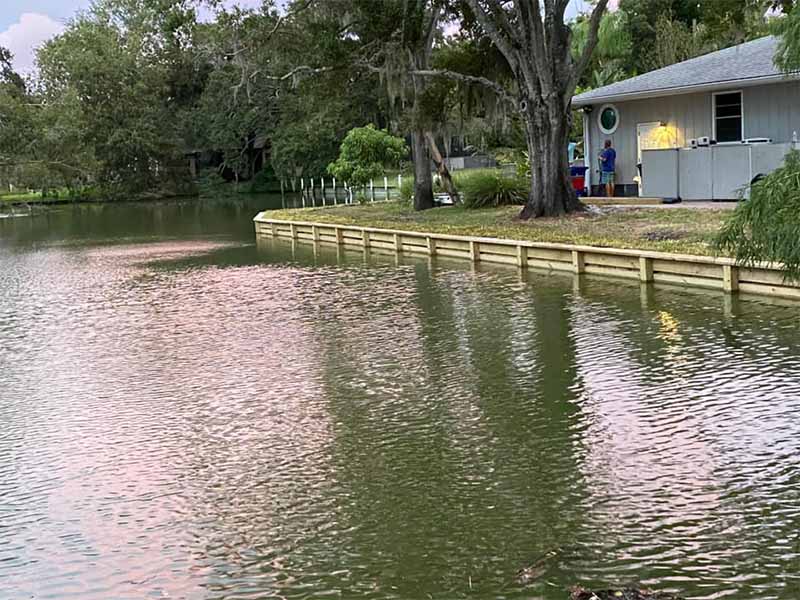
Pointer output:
x,y
771,111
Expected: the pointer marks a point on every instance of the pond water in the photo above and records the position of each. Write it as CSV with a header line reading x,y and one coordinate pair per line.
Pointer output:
x,y
185,413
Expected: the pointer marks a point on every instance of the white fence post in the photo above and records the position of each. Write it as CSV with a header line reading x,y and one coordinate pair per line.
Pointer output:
x,y
334,191
323,191
371,190
386,188
303,191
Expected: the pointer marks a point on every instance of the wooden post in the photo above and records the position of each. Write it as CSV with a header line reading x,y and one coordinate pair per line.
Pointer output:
x,y
322,181
431,246
385,188
474,251
315,233
274,229
399,180
522,257
292,231
365,239
645,269
334,192
730,278
371,190
339,236
313,199
303,191
578,261
398,246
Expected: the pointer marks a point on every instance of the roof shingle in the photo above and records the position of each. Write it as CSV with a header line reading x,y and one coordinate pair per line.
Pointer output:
x,y
748,61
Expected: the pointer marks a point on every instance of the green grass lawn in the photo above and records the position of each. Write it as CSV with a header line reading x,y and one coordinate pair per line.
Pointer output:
x,y
671,229
30,198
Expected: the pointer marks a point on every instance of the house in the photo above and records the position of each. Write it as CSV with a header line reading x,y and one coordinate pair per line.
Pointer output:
x,y
697,130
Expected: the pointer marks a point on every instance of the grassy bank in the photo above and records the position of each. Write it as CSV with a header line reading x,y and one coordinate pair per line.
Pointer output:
x,y
29,198
683,230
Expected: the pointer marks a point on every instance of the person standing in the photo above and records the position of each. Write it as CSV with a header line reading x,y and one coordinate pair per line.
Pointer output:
x,y
608,164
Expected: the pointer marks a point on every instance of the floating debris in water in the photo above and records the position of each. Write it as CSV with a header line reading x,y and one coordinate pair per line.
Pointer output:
x,y
534,571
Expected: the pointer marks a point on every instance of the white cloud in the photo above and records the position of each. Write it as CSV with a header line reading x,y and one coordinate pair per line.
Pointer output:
x,y
25,37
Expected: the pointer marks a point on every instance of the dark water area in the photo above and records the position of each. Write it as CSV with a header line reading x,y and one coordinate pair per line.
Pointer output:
x,y
187,413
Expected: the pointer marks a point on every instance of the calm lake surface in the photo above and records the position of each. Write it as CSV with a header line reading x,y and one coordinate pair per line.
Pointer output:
x,y
185,413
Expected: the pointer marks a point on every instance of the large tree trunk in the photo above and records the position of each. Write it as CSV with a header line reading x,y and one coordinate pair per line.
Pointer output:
x,y
423,181
547,134
441,168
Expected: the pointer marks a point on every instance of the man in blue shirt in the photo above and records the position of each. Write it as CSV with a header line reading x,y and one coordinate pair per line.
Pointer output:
x,y
608,160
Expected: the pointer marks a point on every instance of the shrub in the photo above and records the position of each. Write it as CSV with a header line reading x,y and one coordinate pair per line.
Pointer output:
x,y
407,189
484,188
767,226
365,153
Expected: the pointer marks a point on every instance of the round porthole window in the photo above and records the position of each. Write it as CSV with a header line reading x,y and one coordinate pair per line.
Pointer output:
x,y
608,118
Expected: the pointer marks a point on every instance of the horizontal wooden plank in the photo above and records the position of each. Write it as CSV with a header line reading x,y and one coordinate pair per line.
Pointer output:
x,y
504,259
609,260
690,269
381,244
381,237
486,248
611,271
452,244
688,280
414,249
765,276
414,241
769,290
450,253
549,265
550,255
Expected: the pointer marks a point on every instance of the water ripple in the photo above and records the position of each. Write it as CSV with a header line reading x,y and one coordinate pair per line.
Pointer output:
x,y
200,418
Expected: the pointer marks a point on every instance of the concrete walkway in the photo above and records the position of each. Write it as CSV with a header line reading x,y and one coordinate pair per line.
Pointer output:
x,y
657,203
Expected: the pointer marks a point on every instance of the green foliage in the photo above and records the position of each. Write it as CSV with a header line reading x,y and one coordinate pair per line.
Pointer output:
x,y
407,189
676,41
483,188
767,226
264,181
365,153
787,57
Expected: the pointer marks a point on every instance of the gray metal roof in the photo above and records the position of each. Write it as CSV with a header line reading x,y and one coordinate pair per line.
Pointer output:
x,y
748,64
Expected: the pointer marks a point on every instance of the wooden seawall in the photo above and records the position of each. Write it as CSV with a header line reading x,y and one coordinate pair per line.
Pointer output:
x,y
645,266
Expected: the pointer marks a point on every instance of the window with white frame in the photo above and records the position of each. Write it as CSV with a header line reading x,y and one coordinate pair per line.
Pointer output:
x,y
728,117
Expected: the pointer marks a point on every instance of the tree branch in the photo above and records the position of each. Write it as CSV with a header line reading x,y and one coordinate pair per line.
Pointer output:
x,y
498,89
303,6
301,69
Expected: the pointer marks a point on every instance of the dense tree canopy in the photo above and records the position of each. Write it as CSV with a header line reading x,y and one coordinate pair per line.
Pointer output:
x,y
132,88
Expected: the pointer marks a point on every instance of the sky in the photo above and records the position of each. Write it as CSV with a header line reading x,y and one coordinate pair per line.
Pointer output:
x,y
26,24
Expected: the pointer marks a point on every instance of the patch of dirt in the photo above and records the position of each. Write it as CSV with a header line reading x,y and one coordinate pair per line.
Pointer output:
x,y
663,235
